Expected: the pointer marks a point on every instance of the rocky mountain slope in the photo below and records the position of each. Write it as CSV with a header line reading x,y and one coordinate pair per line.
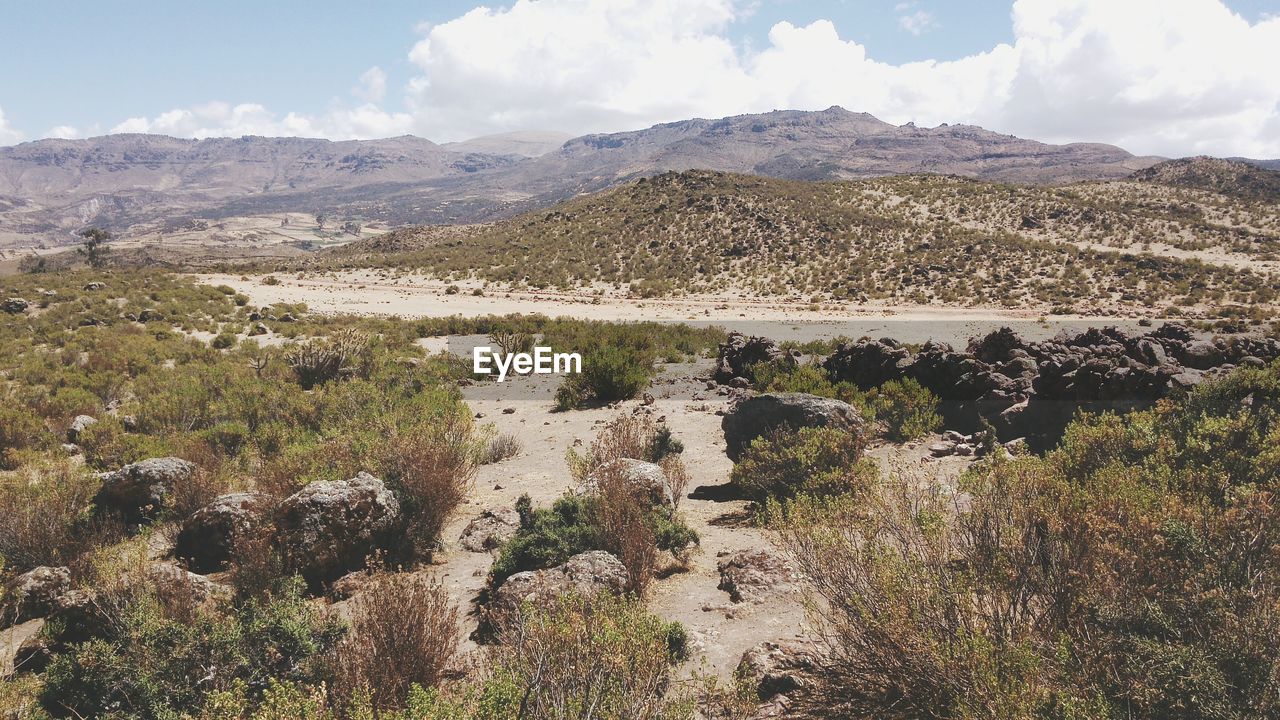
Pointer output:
x,y
137,183
1234,178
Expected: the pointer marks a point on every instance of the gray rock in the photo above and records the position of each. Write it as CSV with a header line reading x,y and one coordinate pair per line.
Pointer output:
x,y
586,574
95,285
943,449
15,305
208,538
141,490
172,578
778,668
762,414
1201,355
752,575
329,528
647,478
79,425
490,530
34,593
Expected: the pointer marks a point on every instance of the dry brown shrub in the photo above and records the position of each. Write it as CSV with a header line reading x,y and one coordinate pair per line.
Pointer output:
x,y
622,513
257,567
432,468
39,509
404,631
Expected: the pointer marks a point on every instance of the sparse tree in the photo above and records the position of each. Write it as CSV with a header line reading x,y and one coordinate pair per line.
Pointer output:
x,y
321,218
93,245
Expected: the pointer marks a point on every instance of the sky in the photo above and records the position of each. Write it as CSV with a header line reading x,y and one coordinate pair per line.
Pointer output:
x,y
1168,77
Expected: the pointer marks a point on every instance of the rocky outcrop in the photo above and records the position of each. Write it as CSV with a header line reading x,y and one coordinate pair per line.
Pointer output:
x,y
169,578
739,353
753,575
762,414
1022,386
34,593
79,425
586,574
141,490
15,305
208,538
648,480
490,530
777,670
329,528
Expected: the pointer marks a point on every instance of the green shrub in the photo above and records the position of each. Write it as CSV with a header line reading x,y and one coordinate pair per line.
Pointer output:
x,y
811,461
224,341
609,373
20,429
547,537
906,408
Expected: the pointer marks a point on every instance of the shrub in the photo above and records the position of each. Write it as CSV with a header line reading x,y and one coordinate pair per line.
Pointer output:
x,y
323,360
813,461
609,373
42,514
224,341
431,468
20,429
501,447
906,408
602,657
636,437
404,632
547,537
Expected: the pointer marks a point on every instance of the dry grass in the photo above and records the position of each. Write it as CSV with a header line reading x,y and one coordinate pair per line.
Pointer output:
x,y
404,631
432,467
39,509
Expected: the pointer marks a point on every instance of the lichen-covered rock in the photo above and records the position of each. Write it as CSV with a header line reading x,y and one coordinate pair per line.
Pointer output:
x,y
752,575
586,574
759,415
34,593
141,490
15,305
648,480
79,425
490,530
329,528
171,578
208,538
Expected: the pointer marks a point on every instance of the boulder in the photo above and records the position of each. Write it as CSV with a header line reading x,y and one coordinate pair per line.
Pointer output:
x,y
34,593
647,479
208,538
490,530
586,574
141,490
752,575
79,425
778,668
739,353
763,414
169,578
1201,355
868,364
95,285
329,528
15,305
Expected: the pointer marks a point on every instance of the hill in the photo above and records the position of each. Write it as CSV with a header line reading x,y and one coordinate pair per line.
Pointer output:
x,y
1240,180
920,239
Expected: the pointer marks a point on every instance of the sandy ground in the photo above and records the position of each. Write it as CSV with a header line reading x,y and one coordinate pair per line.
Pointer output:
x,y
373,292
720,629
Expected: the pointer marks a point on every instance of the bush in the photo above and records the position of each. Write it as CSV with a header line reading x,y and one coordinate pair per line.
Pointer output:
x,y
906,408
813,461
224,341
636,437
404,632
20,430
602,657
609,373
547,537
323,360
501,447
42,514
431,468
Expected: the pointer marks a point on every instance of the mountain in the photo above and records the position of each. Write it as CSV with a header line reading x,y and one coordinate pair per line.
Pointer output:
x,y
1233,178
145,183
525,144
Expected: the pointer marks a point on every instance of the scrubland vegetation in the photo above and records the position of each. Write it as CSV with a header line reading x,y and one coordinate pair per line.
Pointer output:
x,y
1128,573
919,239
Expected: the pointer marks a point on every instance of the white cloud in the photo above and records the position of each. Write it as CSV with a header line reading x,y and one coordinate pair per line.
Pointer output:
x,y
62,132
373,85
913,19
8,135
1155,76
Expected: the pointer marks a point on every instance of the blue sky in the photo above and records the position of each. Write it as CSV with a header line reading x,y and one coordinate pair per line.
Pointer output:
x,y
87,67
